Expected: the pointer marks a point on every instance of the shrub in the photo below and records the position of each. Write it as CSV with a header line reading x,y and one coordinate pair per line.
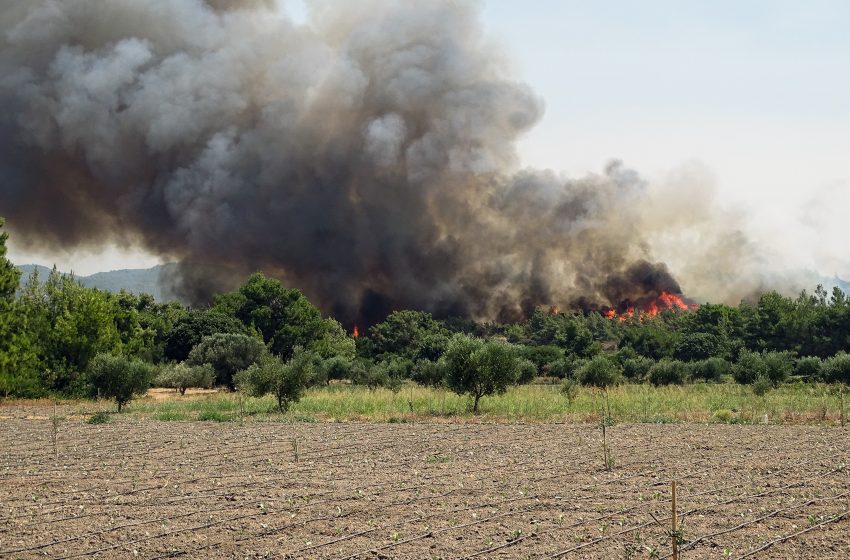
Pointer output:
x,y
286,381
570,389
227,353
382,374
479,368
750,366
428,373
541,355
527,371
600,371
337,368
837,368
809,367
99,418
182,376
567,367
712,369
778,366
762,385
668,372
693,347
636,368
119,378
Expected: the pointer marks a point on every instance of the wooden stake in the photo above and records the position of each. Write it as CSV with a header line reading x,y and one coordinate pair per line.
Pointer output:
x,y
675,523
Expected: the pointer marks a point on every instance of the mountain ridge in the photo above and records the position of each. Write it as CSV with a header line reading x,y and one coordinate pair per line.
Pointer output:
x,y
136,280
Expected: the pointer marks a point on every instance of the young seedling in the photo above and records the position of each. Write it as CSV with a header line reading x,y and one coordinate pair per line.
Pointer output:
x,y
607,420
295,448
54,421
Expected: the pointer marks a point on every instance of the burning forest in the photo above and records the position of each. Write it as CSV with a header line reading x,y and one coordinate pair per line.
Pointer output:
x,y
366,157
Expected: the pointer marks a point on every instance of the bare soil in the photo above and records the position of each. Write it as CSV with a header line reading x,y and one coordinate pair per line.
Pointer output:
x,y
145,489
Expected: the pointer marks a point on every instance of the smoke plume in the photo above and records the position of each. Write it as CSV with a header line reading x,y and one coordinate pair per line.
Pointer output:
x,y
366,157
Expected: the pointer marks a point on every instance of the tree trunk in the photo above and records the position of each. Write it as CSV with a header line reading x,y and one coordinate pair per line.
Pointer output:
x,y
280,403
182,390
475,404
120,405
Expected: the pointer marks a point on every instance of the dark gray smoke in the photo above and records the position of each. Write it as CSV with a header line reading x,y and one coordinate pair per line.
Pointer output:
x,y
367,158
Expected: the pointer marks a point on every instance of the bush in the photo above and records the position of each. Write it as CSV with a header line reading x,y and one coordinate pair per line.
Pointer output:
x,y
119,378
479,368
750,366
570,389
778,365
636,368
809,367
837,368
566,368
712,369
286,381
761,386
527,371
182,376
668,372
600,371
541,355
227,353
382,374
99,418
428,373
698,346
337,368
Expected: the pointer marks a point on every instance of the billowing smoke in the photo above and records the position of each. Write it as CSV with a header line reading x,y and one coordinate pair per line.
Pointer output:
x,y
367,157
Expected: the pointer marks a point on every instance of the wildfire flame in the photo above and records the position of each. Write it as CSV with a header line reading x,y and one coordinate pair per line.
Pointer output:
x,y
665,300
356,332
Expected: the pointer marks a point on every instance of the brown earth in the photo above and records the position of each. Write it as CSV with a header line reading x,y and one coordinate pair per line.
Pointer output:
x,y
418,491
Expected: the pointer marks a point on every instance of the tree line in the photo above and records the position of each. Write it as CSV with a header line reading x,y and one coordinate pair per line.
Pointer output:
x,y
60,338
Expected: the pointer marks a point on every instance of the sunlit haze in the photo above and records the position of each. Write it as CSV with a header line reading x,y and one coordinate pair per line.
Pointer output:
x,y
751,98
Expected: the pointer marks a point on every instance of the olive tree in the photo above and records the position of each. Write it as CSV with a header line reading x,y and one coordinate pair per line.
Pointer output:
x,y
287,381
119,378
480,368
182,376
227,353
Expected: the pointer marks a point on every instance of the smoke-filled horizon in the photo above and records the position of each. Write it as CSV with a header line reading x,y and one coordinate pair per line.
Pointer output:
x,y
367,158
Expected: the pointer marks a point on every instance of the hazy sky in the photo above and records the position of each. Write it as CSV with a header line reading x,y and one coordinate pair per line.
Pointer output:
x,y
754,94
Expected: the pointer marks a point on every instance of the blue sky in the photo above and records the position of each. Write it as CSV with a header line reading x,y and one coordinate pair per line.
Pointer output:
x,y
755,94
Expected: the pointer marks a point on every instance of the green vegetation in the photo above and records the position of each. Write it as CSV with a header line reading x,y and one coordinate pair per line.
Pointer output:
x,y
629,403
183,376
63,340
479,368
119,378
286,381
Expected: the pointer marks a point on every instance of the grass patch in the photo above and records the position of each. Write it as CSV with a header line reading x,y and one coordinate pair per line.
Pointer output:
x,y
99,418
793,403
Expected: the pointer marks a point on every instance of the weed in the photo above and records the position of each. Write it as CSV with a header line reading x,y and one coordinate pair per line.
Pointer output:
x,y
101,417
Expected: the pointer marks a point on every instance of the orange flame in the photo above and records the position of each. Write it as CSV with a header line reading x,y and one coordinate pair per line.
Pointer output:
x,y
356,332
665,300
554,310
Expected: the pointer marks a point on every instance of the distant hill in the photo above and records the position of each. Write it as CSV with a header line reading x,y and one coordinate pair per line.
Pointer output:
x,y
139,280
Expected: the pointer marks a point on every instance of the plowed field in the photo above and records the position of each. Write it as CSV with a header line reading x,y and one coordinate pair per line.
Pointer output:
x,y
260,490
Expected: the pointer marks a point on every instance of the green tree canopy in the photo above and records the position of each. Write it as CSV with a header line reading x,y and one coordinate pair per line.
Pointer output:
x,y
120,378
283,316
413,335
287,381
190,329
480,368
227,353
